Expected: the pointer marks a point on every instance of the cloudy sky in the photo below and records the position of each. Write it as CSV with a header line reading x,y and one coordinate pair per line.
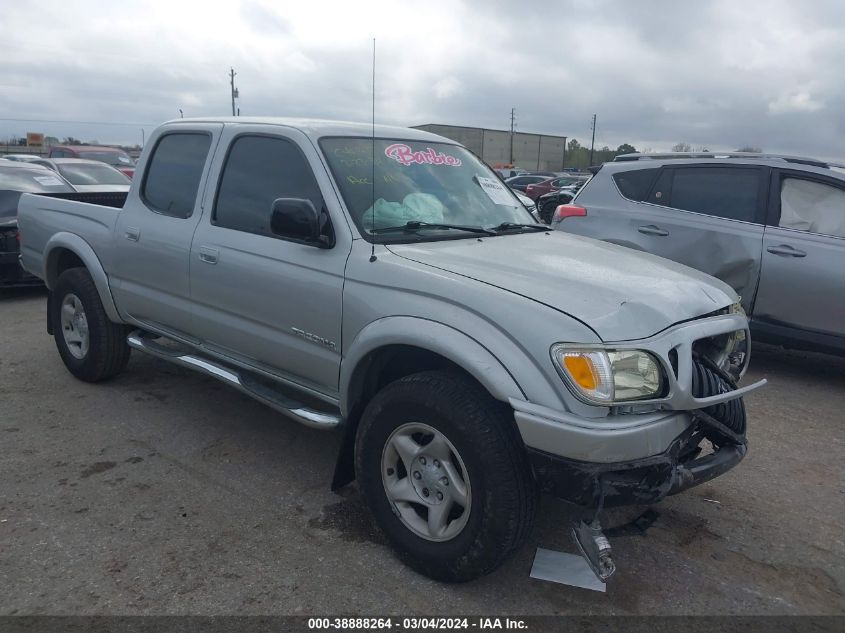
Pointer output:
x,y
717,73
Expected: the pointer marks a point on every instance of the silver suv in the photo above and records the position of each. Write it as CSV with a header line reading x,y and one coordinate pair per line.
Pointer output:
x,y
773,227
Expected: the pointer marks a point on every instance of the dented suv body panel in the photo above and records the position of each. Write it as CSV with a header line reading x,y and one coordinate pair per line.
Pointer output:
x,y
311,317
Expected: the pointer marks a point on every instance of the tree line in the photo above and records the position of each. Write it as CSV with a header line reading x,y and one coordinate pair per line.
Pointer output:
x,y
578,156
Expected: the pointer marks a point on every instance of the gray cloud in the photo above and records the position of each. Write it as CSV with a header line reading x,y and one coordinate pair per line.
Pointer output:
x,y
719,74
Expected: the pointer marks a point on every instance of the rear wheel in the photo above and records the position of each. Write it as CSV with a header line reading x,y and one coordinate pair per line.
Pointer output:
x,y
444,473
92,347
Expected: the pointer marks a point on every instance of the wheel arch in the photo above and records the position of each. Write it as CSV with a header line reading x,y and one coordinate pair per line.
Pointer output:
x,y
67,250
393,347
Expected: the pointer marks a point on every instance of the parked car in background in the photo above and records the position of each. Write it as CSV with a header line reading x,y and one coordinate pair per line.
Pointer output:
x,y
16,178
521,182
528,203
773,227
87,175
113,156
536,190
21,158
548,203
506,172
547,174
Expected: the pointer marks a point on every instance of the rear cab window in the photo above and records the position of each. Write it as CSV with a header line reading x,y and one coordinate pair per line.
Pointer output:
x,y
174,171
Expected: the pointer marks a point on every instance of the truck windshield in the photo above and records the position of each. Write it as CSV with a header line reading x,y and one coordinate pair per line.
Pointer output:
x,y
429,185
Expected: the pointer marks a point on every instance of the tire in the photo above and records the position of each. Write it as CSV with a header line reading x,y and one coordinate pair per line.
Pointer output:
x,y
485,455
92,347
548,210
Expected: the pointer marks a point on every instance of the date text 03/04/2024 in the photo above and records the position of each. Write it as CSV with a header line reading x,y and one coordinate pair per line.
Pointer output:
x,y
413,624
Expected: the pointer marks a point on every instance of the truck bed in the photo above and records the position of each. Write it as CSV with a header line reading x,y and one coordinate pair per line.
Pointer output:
x,y
90,216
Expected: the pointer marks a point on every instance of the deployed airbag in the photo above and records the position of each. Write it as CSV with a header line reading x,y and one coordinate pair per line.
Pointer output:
x,y
420,207
812,206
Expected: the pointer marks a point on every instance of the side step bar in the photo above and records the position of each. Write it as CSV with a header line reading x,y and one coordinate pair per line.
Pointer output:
x,y
238,379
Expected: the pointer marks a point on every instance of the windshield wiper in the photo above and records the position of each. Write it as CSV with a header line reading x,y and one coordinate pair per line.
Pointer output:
x,y
415,225
504,226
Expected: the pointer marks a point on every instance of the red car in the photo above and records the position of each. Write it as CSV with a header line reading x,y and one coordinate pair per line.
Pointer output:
x,y
552,184
117,158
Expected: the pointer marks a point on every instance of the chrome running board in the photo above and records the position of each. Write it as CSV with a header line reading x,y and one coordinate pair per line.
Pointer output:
x,y
241,380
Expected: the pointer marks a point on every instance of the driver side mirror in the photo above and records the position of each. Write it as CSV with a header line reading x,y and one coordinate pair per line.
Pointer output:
x,y
297,219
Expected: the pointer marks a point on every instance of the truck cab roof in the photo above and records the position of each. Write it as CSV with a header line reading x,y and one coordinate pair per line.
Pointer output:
x,y
319,128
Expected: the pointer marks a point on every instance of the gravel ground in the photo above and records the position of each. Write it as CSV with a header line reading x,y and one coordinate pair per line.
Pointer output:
x,y
165,492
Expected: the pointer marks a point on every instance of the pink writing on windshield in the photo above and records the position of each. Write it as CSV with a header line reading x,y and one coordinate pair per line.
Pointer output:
x,y
405,155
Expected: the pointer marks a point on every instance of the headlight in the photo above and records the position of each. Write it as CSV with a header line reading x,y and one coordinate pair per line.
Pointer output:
x,y
609,376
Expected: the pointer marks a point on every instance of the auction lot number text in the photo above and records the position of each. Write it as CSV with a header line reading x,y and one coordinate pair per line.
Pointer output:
x,y
416,624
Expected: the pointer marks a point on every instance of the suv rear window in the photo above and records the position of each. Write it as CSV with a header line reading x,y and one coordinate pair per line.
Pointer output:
x,y
635,184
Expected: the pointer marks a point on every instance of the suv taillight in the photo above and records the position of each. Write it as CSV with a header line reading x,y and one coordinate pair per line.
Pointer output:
x,y
569,211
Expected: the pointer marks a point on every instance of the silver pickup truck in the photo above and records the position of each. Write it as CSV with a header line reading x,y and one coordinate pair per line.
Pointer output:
x,y
385,282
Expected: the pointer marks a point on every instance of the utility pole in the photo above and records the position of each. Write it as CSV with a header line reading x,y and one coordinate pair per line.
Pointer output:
x,y
513,122
232,74
593,142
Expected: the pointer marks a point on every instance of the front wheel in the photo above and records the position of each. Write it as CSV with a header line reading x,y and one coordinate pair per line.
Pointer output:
x,y
92,347
444,473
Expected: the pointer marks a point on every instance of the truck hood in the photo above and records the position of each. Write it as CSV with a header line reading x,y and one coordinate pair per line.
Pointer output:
x,y
619,293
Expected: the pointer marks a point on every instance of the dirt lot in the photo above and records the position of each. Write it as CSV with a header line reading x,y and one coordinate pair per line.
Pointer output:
x,y
163,491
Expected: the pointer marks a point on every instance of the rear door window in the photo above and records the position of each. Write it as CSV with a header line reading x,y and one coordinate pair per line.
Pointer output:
x,y
725,192
173,173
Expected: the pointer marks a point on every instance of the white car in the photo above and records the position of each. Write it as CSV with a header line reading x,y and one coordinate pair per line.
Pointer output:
x,y
87,175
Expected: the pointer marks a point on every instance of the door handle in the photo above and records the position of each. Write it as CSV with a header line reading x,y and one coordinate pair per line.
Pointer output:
x,y
650,229
209,255
787,250
132,234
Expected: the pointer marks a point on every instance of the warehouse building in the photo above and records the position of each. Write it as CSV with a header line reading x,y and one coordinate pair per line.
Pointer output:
x,y
541,152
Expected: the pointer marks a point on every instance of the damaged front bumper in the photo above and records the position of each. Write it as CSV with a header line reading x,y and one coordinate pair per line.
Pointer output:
x,y
639,481
640,452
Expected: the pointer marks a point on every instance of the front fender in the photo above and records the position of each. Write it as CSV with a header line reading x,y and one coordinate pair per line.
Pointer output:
x,y
457,346
82,249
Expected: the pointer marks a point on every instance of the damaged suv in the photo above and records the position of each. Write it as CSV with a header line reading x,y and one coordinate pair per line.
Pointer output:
x,y
385,283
